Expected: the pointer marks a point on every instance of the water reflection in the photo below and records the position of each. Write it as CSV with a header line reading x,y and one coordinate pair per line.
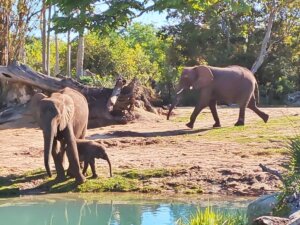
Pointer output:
x,y
80,211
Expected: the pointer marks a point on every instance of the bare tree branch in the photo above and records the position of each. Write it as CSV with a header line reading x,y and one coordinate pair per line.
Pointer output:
x,y
271,171
264,47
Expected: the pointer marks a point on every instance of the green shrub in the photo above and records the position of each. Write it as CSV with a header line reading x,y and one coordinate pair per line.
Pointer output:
x,y
86,80
291,179
215,217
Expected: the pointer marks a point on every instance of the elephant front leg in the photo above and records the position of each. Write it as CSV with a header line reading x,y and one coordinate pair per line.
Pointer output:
x,y
194,115
58,161
213,109
92,163
72,154
85,166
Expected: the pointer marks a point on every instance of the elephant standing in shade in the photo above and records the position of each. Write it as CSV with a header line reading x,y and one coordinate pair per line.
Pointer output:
x,y
230,85
63,117
88,151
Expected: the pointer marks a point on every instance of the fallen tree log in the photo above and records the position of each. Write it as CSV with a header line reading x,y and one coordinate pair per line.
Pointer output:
x,y
102,101
97,98
271,171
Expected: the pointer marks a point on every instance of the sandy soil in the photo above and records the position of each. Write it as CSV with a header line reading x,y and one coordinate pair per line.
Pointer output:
x,y
219,167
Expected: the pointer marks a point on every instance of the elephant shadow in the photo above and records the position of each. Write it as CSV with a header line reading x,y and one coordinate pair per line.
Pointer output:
x,y
168,133
10,185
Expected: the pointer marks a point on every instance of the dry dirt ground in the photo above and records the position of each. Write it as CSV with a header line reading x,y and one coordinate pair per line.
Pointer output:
x,y
220,161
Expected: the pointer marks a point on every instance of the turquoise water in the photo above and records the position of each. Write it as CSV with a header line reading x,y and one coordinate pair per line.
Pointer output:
x,y
72,209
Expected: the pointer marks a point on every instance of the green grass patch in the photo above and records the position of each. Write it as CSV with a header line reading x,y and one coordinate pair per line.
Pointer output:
x,y
193,191
114,184
272,151
211,216
186,118
10,185
122,181
145,174
11,190
150,189
276,130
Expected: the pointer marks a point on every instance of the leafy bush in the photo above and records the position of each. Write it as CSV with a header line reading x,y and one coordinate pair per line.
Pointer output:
x,y
292,178
214,217
86,80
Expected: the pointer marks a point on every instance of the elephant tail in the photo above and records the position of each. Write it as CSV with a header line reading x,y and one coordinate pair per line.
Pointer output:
x,y
256,93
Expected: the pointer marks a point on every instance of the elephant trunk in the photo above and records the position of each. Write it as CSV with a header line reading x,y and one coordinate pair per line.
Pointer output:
x,y
109,164
175,102
49,134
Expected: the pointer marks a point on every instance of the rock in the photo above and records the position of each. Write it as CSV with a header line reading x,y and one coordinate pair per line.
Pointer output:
x,y
293,99
292,202
295,215
270,220
294,218
262,206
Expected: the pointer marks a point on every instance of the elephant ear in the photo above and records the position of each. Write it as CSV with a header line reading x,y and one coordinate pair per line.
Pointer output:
x,y
34,106
204,77
66,111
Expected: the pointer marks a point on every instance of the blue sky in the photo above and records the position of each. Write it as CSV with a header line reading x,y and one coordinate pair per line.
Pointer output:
x,y
155,18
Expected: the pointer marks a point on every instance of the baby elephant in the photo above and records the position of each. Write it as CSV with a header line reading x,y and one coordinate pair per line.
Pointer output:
x,y
88,151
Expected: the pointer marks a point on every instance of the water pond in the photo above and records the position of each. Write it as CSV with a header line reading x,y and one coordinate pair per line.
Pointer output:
x,y
108,209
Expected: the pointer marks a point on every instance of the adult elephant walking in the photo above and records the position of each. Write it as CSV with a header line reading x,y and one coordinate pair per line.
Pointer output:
x,y
230,85
63,117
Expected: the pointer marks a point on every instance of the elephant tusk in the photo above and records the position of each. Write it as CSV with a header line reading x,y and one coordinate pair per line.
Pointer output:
x,y
114,100
181,90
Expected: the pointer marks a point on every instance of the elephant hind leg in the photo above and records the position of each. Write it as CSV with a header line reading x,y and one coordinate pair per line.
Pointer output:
x,y
244,102
253,107
213,109
241,119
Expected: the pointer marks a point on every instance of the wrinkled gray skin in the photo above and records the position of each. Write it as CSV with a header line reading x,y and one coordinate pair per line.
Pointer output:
x,y
230,85
88,152
63,117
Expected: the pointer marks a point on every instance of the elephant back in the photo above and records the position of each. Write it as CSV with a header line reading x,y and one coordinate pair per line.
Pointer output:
x,y
81,112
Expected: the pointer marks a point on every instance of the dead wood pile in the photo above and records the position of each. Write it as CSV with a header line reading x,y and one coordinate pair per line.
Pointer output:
x,y
19,82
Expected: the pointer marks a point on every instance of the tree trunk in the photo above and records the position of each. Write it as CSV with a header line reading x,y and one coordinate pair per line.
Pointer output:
x,y
43,33
69,56
4,32
56,69
80,56
48,40
264,46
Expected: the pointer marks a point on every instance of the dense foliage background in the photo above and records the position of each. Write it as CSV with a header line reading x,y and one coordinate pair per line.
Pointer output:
x,y
212,32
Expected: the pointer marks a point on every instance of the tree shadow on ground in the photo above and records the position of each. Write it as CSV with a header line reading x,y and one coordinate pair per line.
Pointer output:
x,y
10,185
168,133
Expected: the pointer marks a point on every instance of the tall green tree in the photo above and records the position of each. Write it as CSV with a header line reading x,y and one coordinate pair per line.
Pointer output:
x,y
238,32
102,16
